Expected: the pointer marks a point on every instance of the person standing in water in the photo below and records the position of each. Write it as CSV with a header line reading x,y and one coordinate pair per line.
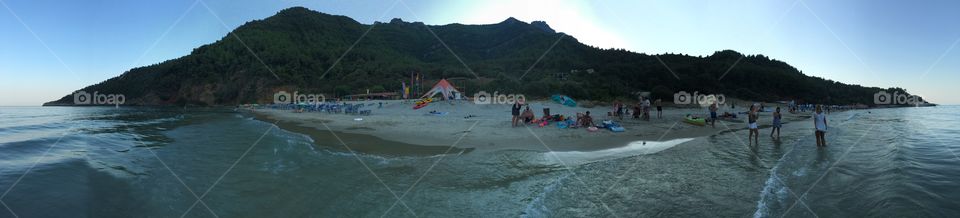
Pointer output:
x,y
752,124
659,108
713,114
776,123
618,110
646,109
820,123
515,111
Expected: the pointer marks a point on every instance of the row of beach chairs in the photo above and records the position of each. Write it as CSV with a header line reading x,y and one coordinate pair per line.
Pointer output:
x,y
330,108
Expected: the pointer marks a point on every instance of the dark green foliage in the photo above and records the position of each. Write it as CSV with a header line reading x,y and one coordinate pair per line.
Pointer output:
x,y
299,46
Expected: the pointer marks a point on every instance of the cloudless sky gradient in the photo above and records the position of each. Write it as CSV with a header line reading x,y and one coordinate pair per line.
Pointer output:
x,y
50,48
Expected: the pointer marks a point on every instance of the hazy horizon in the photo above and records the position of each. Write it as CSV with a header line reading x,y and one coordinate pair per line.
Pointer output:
x,y
63,46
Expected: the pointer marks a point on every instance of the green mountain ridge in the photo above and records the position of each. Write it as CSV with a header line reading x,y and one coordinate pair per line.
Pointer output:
x,y
296,48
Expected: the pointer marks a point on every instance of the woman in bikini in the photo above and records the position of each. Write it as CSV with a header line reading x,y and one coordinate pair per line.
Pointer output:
x,y
752,124
776,123
820,123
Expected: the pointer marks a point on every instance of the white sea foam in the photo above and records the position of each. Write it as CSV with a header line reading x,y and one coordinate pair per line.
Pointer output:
x,y
631,149
536,207
768,192
765,194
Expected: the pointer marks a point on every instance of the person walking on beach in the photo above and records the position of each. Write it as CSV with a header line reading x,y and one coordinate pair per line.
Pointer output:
x,y
646,109
820,123
618,110
776,123
713,114
659,108
752,124
515,111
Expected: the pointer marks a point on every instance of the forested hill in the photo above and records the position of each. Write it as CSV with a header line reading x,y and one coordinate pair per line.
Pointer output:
x,y
295,48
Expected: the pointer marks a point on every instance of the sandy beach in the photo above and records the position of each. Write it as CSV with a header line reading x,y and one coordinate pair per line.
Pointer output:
x,y
395,128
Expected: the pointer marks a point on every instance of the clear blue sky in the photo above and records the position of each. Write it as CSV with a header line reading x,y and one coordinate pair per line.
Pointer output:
x,y
869,42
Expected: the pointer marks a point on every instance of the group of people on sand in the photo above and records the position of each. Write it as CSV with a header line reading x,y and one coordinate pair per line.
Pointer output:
x,y
819,124
526,116
523,114
640,111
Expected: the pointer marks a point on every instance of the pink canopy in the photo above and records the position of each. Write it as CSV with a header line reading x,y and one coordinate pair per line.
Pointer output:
x,y
443,87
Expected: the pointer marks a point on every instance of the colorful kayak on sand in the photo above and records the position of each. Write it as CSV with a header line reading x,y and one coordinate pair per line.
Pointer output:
x,y
422,103
418,106
695,121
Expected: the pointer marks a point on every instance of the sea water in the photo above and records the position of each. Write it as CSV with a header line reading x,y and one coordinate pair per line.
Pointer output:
x,y
135,162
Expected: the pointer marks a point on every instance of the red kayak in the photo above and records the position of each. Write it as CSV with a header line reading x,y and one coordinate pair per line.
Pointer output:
x,y
418,106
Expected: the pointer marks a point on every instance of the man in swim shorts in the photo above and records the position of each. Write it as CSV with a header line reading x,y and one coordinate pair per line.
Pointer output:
x,y
659,104
752,124
713,114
